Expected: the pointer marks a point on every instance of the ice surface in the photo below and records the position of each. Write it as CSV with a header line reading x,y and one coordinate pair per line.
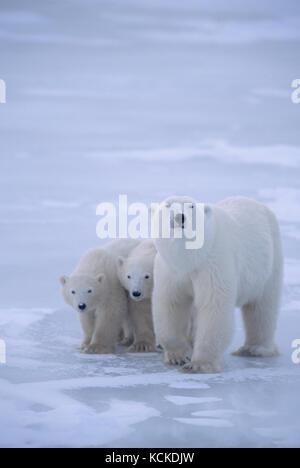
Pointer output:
x,y
184,400
146,98
211,422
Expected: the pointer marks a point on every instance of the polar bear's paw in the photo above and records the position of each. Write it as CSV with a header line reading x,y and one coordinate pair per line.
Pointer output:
x,y
82,347
175,358
197,367
257,351
126,341
141,347
97,349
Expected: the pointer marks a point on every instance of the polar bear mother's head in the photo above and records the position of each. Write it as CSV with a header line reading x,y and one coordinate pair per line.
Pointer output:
x,y
186,231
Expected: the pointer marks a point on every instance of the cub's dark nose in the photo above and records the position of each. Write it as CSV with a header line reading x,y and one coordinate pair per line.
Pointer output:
x,y
136,294
82,306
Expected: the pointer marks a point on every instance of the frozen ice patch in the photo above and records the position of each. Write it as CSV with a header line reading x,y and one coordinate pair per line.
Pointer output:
x,y
220,413
186,400
120,370
204,422
22,318
283,437
52,419
189,385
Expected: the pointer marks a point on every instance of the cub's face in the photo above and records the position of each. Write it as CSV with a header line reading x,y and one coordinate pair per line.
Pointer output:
x,y
137,279
83,293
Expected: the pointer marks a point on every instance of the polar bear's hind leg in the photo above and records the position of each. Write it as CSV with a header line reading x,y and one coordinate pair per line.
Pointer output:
x,y
260,320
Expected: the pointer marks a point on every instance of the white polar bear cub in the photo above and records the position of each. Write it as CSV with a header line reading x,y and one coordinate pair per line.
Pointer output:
x,y
136,275
94,290
239,265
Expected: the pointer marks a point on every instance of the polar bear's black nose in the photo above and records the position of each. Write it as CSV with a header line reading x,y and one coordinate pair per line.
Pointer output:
x,y
180,219
82,306
136,293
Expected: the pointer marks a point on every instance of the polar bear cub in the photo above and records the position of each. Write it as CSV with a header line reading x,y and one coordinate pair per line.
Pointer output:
x,y
239,265
136,275
95,292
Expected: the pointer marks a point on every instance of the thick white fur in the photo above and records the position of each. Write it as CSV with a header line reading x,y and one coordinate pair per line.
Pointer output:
x,y
96,284
136,275
239,265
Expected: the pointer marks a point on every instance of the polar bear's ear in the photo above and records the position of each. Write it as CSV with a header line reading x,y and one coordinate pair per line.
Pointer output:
x,y
63,280
120,261
100,278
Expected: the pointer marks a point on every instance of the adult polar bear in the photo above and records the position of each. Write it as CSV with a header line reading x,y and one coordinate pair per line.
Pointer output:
x,y
196,291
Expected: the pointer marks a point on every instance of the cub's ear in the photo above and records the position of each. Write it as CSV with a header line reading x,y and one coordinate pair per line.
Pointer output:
x,y
120,261
63,280
100,278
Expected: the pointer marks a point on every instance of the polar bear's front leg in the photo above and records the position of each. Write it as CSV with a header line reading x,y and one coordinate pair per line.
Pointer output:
x,y
214,330
126,336
108,322
171,324
141,318
87,321
105,334
171,306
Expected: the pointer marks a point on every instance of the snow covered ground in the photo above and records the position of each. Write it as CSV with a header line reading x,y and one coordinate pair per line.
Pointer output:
x,y
146,98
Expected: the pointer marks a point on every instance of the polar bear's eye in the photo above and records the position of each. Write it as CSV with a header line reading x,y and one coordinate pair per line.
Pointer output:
x,y
90,291
128,276
147,277
73,292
